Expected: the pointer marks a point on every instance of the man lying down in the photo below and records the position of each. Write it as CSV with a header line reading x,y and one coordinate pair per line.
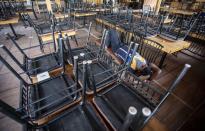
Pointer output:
x,y
118,51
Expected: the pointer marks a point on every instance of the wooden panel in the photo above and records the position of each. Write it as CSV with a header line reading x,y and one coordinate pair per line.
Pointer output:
x,y
48,37
83,14
13,20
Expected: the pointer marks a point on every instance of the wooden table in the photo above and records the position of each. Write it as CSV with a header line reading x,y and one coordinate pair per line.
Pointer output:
x,y
13,20
48,37
104,22
61,16
169,47
84,15
101,10
177,11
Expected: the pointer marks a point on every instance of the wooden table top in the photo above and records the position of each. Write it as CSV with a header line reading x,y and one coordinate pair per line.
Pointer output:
x,y
60,16
48,36
110,25
100,10
170,46
83,14
167,21
13,20
56,72
177,11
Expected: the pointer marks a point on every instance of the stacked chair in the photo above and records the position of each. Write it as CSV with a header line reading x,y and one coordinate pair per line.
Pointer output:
x,y
148,25
9,9
40,97
89,51
83,99
33,66
197,37
179,28
83,88
133,92
48,29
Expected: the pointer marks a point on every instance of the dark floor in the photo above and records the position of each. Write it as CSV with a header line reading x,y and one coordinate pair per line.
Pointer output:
x,y
188,95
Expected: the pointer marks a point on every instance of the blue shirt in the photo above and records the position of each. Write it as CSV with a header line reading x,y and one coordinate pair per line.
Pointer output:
x,y
138,62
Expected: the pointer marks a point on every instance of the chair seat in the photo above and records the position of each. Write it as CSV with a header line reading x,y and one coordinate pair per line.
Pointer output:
x,y
44,62
65,25
45,28
80,118
98,67
89,55
54,87
114,104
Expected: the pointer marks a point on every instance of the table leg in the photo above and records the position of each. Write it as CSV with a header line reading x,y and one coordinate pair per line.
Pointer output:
x,y
13,31
162,60
16,36
84,21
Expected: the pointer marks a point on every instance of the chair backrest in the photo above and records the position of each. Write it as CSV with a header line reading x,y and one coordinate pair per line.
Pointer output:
x,y
180,27
11,67
24,66
20,64
148,49
33,110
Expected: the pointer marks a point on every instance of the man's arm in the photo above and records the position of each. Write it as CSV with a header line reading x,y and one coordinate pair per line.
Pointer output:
x,y
156,71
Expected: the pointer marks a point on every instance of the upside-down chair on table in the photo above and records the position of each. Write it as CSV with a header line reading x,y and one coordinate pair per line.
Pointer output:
x,y
129,91
80,116
46,94
39,64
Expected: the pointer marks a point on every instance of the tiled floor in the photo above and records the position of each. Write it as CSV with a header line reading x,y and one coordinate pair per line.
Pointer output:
x,y
187,96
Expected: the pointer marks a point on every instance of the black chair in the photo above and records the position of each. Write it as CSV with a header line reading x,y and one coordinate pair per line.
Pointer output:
x,y
148,25
46,95
197,46
129,90
149,49
41,26
179,28
36,65
79,117
103,69
89,51
7,10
